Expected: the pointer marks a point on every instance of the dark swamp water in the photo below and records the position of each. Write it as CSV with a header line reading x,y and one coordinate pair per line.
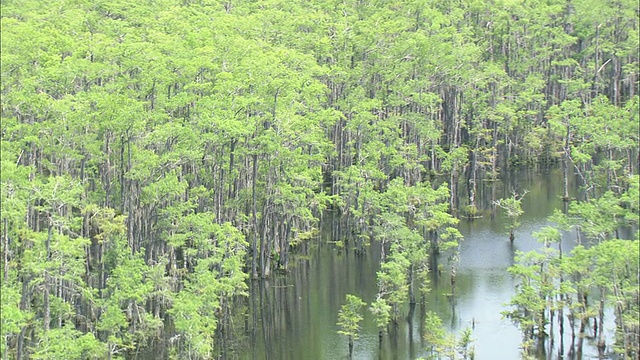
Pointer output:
x,y
293,315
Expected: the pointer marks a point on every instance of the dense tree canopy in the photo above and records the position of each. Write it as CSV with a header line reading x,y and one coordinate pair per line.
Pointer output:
x,y
157,154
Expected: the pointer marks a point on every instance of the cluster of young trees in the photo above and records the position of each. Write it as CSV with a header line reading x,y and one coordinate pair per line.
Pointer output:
x,y
155,155
439,342
573,290
412,223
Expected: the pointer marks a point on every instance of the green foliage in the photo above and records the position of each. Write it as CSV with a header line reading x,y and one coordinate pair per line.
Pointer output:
x,y
601,218
513,209
381,312
216,279
194,313
13,319
69,343
434,333
536,272
350,316
415,222
464,345
440,343
548,235
606,267
392,281
146,144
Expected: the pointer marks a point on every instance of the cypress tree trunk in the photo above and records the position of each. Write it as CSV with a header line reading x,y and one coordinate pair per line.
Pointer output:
x,y
583,325
561,327
412,296
254,219
565,164
6,251
47,308
601,339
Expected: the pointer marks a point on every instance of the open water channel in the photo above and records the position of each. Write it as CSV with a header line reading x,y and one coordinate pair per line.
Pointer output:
x,y
293,315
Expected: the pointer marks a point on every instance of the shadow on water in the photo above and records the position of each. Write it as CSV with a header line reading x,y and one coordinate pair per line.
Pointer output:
x,y
293,315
